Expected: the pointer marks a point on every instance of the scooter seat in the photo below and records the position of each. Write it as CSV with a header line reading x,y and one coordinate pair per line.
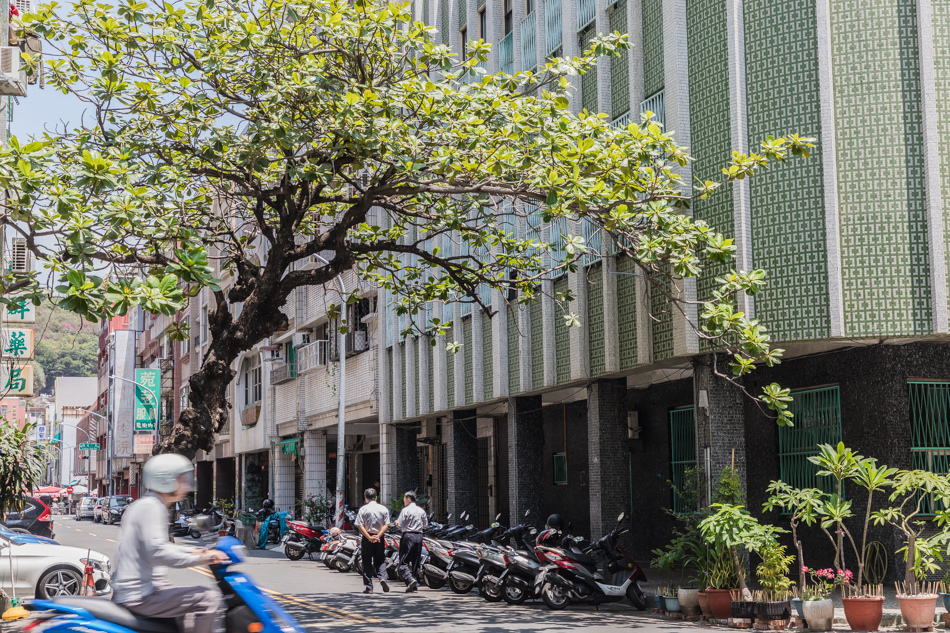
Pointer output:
x,y
117,614
580,557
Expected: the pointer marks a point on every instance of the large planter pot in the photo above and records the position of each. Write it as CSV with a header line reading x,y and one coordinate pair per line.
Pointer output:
x,y
704,604
660,602
864,614
819,614
689,601
672,604
918,611
946,601
772,610
742,609
720,603
797,606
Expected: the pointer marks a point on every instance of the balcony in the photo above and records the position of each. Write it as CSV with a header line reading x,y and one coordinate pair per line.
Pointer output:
x,y
283,373
655,104
312,356
622,121
553,25
586,13
529,50
506,54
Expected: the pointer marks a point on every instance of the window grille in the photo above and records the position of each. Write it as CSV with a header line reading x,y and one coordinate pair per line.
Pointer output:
x,y
682,454
507,54
930,429
619,66
560,469
817,421
655,104
589,78
553,25
586,13
529,54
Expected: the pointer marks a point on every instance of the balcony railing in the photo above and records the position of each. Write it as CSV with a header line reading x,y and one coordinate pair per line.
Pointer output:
x,y
283,373
655,104
552,25
586,13
529,51
506,54
621,121
312,356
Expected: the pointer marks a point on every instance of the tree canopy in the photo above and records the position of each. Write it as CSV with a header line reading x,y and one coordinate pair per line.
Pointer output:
x,y
271,133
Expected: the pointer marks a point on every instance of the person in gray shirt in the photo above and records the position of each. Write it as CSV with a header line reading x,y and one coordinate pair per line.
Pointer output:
x,y
412,522
144,552
372,521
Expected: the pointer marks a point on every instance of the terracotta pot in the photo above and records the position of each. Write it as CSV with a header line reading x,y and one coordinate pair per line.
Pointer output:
x,y
819,614
918,611
864,614
720,603
704,604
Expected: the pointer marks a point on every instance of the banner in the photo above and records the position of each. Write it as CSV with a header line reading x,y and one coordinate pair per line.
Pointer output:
x,y
143,444
146,399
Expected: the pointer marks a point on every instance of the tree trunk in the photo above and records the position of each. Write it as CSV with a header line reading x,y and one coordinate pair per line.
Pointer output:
x,y
909,578
801,557
743,588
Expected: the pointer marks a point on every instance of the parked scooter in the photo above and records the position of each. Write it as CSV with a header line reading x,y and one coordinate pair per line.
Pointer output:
x,y
268,515
571,575
302,540
248,607
345,557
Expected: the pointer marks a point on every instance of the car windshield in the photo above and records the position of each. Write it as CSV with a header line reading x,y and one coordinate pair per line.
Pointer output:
x,y
118,501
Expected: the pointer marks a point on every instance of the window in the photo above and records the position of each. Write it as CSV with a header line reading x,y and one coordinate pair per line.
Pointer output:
x,y
589,78
185,346
509,17
528,6
817,421
183,395
357,336
560,469
204,325
252,380
682,455
655,103
463,35
930,428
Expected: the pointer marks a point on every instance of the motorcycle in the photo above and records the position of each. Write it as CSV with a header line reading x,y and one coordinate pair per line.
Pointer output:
x,y
302,539
248,607
269,516
466,567
571,575
345,557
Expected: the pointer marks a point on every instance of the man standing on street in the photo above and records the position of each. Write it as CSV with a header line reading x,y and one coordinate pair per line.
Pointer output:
x,y
372,521
412,521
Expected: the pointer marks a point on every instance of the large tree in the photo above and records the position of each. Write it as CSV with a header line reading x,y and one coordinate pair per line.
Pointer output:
x,y
272,132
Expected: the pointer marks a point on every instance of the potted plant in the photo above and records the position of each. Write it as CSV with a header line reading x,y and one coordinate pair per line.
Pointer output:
x,y
660,599
742,608
772,573
672,600
944,584
817,605
689,600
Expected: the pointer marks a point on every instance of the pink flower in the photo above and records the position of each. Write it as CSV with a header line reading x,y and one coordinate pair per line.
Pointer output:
x,y
804,569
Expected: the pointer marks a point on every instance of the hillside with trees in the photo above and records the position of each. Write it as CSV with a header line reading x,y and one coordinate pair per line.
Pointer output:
x,y
66,345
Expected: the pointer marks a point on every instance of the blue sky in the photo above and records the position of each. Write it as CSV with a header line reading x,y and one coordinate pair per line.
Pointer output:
x,y
42,109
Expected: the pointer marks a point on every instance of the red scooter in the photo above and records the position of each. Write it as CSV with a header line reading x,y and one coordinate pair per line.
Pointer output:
x,y
302,539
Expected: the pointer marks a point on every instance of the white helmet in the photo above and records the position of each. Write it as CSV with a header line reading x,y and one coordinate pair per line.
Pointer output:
x,y
161,472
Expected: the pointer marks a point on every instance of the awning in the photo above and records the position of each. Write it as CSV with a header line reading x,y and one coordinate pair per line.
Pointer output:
x,y
289,446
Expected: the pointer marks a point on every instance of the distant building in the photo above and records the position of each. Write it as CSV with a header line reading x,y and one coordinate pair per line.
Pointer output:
x,y
14,409
71,396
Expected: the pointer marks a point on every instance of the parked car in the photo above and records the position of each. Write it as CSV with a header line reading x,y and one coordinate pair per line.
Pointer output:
x,y
117,506
35,518
97,509
20,537
45,570
86,508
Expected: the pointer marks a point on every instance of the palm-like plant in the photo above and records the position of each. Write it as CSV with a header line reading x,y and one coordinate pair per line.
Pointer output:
x,y
21,465
803,506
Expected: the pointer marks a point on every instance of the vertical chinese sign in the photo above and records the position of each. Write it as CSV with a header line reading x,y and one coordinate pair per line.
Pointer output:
x,y
16,347
146,409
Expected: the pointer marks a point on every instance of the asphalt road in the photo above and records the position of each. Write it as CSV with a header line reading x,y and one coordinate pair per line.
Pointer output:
x,y
322,599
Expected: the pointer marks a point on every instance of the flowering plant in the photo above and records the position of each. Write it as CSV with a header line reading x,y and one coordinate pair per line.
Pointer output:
x,y
824,581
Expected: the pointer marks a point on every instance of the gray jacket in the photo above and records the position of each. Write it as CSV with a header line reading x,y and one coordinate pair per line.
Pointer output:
x,y
145,551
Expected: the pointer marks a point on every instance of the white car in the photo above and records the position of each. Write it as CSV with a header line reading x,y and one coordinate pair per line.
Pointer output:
x,y
43,569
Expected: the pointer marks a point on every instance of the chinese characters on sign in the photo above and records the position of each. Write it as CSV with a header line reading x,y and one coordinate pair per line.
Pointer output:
x,y
17,343
146,399
16,381
143,444
21,311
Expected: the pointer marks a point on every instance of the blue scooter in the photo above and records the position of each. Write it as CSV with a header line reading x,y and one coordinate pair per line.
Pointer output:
x,y
249,610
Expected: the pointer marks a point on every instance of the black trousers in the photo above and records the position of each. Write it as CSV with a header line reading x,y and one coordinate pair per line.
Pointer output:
x,y
374,561
410,556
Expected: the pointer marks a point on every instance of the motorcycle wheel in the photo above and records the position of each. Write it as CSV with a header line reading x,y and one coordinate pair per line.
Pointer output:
x,y
328,561
433,583
194,534
343,567
491,593
514,595
635,596
554,597
459,587
358,565
294,553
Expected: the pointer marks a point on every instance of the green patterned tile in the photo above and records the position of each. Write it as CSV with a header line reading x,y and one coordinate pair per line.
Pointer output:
x,y
450,378
469,350
619,66
428,351
562,339
488,357
514,355
389,361
627,311
941,22
402,367
662,320
589,79
880,168
444,21
653,73
537,345
595,319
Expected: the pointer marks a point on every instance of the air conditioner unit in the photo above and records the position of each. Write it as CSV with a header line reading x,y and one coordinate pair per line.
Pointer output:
x,y
19,253
12,79
301,339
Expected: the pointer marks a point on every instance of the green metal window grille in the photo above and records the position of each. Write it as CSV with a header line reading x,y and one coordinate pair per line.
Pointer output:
x,y
586,13
514,353
469,350
817,421
444,20
290,353
619,66
487,356
560,469
529,35
506,54
682,453
588,79
930,429
553,25
463,14
425,11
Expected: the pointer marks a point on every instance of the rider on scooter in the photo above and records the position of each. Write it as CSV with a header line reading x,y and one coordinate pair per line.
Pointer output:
x,y
139,582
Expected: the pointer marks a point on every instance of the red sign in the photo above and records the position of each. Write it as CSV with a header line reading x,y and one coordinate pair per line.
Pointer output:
x,y
69,490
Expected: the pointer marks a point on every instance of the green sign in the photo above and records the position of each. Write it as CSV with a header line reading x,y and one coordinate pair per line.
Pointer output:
x,y
89,447
146,399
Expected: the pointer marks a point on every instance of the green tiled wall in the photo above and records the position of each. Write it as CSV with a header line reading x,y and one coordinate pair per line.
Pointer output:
x,y
662,321
450,378
653,79
429,349
788,218
589,79
463,16
562,340
619,66
514,358
401,414
389,361
883,230
709,113
416,379
537,345
487,356
627,309
941,22
469,359
444,20
595,319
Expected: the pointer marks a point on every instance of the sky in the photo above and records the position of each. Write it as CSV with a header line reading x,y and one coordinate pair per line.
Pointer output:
x,y
43,109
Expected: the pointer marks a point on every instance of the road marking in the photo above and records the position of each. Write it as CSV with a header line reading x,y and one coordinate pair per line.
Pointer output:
x,y
111,540
91,534
316,606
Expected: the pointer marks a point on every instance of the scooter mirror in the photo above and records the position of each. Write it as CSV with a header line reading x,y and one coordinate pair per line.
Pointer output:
x,y
497,516
449,516
526,513
620,518
204,522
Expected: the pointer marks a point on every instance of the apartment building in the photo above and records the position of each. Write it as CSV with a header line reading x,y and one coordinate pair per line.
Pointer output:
x,y
591,421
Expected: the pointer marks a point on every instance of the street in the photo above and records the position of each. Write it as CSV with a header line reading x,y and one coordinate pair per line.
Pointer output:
x,y
321,599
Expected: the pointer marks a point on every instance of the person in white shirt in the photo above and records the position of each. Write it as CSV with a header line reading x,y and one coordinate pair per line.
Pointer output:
x,y
372,521
412,521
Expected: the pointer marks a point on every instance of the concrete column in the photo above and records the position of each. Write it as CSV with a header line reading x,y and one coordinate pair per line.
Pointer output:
x,y
412,396
525,456
315,466
580,347
387,456
607,452
611,316
720,427
460,433
405,467
499,324
283,480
